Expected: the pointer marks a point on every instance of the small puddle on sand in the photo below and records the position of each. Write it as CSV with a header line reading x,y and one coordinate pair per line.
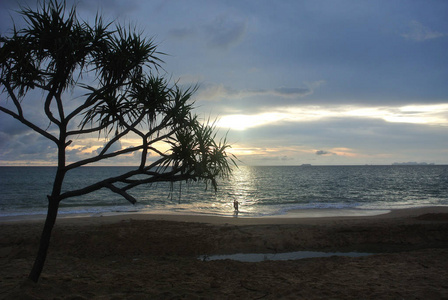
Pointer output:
x,y
257,257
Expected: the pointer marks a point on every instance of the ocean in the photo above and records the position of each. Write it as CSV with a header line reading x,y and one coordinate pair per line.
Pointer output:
x,y
261,191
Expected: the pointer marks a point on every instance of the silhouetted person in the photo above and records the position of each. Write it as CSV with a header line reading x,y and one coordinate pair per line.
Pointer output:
x,y
235,205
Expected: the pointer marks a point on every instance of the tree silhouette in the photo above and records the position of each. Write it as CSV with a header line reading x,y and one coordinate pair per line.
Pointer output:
x,y
124,96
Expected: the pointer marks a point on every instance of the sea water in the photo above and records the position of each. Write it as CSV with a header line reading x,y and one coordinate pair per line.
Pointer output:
x,y
261,191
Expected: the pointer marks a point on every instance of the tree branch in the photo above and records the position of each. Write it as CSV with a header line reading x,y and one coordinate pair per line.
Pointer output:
x,y
13,96
48,110
164,177
125,195
90,130
126,131
144,154
98,185
89,101
156,151
101,157
29,124
108,183
112,141
60,107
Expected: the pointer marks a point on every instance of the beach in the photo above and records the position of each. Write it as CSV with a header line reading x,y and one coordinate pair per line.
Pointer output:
x,y
155,256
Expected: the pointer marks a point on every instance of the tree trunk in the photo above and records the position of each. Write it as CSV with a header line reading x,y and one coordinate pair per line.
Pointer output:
x,y
53,206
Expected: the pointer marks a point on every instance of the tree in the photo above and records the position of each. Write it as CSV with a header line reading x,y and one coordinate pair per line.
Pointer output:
x,y
124,96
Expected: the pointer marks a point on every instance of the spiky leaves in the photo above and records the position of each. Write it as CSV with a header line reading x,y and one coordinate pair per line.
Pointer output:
x,y
47,52
196,154
124,95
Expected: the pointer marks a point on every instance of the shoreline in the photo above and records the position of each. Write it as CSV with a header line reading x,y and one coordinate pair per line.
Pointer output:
x,y
291,217
155,256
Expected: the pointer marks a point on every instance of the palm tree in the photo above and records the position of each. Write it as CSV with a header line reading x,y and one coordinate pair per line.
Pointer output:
x,y
124,97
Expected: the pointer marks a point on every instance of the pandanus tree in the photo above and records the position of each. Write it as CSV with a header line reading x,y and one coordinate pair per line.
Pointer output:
x,y
124,96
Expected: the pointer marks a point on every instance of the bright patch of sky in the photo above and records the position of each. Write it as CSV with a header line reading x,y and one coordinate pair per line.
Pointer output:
x,y
415,114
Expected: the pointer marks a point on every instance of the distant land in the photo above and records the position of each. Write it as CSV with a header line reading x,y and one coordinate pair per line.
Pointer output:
x,y
409,163
412,163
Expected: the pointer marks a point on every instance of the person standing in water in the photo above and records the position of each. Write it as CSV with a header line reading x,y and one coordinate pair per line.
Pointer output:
x,y
235,205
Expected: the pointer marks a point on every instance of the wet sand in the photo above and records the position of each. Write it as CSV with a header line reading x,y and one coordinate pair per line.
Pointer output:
x,y
148,256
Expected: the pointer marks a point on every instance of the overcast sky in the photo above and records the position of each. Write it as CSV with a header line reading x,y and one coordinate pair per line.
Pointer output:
x,y
297,82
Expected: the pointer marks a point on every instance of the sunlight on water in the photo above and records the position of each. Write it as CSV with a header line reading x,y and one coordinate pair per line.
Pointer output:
x,y
261,191
242,189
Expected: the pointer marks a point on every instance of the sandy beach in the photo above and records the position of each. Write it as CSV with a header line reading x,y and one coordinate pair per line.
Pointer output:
x,y
149,256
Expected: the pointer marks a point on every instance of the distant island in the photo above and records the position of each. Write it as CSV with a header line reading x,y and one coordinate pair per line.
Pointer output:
x,y
412,163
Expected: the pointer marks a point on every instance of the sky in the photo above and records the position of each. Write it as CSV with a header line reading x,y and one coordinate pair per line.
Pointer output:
x,y
347,82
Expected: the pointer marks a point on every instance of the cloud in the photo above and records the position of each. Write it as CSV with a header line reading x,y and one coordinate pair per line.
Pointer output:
x,y
225,31
116,8
213,92
183,33
26,147
11,127
430,115
292,92
364,135
115,147
419,33
323,152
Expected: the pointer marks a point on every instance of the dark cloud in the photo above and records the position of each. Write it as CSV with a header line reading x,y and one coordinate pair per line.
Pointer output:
x,y
182,33
27,147
222,32
225,31
227,99
109,8
11,127
294,92
323,152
